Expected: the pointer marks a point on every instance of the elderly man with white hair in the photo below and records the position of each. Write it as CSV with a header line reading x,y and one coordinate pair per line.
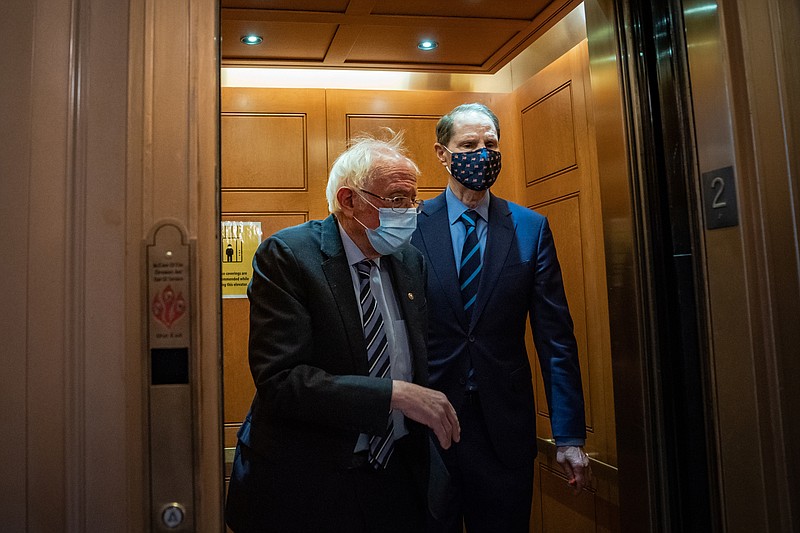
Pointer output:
x,y
337,435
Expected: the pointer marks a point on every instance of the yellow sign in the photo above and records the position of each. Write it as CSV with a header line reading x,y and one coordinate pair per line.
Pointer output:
x,y
239,243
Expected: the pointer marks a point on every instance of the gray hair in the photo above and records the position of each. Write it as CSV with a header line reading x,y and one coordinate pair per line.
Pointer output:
x,y
444,128
354,167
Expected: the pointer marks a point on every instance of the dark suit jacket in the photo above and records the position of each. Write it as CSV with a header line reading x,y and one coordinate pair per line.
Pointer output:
x,y
520,277
309,362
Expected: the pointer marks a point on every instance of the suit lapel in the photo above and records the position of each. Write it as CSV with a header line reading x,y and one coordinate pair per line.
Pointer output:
x,y
499,236
337,273
434,231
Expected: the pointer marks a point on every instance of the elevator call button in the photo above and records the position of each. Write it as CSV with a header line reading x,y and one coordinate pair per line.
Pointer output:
x,y
173,515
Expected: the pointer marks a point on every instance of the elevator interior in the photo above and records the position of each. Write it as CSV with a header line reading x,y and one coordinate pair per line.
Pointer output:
x,y
629,185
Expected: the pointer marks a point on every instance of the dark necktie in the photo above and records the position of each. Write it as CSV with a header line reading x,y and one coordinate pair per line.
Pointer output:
x,y
380,448
469,273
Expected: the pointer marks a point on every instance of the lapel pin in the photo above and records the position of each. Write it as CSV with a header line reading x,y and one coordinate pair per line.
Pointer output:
x,y
410,295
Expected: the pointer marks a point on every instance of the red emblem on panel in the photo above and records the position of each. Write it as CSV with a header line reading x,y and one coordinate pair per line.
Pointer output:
x,y
167,308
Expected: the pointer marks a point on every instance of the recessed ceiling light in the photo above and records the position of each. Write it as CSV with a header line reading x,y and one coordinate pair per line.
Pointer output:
x,y
251,39
427,44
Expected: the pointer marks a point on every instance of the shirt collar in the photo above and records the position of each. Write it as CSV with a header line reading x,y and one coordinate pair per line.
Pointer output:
x,y
352,251
455,207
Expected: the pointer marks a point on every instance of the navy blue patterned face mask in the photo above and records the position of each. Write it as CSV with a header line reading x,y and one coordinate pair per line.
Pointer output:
x,y
476,170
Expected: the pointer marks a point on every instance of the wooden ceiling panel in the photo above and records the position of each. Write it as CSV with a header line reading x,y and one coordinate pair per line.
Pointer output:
x,y
478,36
332,6
489,9
283,41
385,45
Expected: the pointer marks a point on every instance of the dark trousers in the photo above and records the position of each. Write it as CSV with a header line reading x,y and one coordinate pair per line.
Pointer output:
x,y
488,496
269,496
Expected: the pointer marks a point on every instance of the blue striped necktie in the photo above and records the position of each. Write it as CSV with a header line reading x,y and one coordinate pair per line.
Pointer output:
x,y
469,273
380,448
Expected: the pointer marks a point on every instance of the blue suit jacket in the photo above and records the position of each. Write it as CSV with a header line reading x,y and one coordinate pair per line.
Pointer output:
x,y
520,278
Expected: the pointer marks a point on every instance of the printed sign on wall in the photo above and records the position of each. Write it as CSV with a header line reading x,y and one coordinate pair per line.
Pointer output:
x,y
239,243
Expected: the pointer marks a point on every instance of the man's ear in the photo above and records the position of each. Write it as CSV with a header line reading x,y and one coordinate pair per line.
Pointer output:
x,y
345,197
441,153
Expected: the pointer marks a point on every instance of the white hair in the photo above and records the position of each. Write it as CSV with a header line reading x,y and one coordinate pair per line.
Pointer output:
x,y
354,167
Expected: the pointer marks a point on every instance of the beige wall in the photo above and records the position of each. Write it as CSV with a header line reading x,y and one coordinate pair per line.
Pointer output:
x,y
109,107
63,210
760,40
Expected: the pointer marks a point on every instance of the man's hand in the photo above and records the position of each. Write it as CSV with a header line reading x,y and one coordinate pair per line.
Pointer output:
x,y
429,407
575,463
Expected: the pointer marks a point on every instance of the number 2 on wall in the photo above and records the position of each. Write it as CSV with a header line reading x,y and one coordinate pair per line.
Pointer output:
x,y
719,198
717,203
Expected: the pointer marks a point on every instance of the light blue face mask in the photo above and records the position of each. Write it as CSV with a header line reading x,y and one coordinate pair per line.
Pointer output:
x,y
393,232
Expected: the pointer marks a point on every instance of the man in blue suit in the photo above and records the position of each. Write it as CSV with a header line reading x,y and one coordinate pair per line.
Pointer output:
x,y
492,265
337,435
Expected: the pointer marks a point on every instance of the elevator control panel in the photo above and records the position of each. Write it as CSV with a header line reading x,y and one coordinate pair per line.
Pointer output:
x,y
169,306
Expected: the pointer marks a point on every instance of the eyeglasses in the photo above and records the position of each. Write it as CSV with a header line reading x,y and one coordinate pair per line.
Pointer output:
x,y
401,204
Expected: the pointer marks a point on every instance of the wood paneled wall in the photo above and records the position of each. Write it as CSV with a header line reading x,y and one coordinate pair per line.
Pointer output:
x,y
274,168
555,117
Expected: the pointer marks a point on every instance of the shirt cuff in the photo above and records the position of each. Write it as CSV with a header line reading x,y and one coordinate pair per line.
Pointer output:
x,y
570,441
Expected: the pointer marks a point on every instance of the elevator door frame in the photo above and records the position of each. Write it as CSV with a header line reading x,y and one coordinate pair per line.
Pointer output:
x,y
655,263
